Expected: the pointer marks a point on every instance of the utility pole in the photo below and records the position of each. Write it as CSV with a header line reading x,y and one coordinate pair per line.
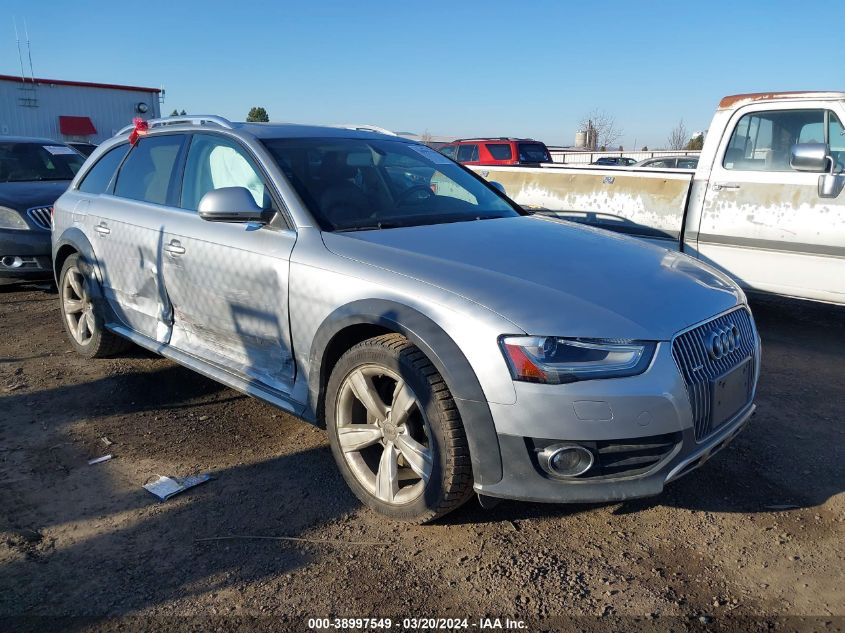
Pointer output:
x,y
29,51
18,42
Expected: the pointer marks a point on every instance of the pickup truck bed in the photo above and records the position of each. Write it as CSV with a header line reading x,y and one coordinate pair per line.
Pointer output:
x,y
645,203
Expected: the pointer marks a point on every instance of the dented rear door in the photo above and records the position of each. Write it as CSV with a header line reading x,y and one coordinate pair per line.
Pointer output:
x,y
128,233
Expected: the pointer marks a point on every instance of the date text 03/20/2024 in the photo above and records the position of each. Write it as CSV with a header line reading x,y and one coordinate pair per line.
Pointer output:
x,y
442,624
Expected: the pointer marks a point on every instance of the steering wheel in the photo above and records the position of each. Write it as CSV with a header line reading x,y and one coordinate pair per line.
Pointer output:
x,y
414,192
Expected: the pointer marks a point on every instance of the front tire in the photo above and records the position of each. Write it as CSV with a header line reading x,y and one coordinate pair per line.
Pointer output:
x,y
395,431
82,320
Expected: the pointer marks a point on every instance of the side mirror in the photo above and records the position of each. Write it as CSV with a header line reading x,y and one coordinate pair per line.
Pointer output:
x,y
831,185
815,157
498,185
809,157
230,204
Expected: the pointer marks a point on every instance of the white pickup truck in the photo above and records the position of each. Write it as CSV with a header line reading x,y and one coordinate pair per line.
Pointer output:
x,y
766,203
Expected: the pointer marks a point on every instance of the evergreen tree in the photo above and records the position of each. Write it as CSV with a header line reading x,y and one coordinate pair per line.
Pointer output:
x,y
257,115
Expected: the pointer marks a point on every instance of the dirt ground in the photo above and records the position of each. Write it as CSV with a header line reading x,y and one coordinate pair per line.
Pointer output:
x,y
750,541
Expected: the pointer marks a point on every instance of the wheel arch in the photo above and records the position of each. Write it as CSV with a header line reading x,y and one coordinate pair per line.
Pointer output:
x,y
73,240
360,320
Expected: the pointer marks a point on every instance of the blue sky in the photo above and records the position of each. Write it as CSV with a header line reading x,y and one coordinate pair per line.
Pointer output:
x,y
452,68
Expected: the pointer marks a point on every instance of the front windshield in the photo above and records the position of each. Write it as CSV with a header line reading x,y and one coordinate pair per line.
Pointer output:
x,y
27,161
356,184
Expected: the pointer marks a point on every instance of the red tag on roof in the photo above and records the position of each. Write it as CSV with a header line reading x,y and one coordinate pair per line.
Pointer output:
x,y
141,128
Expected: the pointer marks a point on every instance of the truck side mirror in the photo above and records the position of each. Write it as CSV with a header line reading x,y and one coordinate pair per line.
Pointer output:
x,y
831,185
815,157
809,157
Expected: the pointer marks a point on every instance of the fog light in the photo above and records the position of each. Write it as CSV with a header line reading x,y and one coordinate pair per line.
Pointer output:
x,y
12,262
566,460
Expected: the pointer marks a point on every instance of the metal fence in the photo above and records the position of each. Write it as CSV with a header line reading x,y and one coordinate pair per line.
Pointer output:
x,y
570,157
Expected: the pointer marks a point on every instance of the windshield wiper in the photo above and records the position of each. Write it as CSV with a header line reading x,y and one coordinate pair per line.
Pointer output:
x,y
542,211
418,221
370,227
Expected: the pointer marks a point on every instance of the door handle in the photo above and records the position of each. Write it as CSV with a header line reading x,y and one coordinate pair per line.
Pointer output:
x,y
719,186
175,248
102,228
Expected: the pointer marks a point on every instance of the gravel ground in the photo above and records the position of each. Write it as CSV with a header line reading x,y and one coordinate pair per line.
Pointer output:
x,y
750,541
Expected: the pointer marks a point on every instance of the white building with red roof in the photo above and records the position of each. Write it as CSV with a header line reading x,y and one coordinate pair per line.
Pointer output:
x,y
71,110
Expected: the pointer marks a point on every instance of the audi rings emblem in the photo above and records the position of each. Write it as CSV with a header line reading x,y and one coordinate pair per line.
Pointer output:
x,y
722,341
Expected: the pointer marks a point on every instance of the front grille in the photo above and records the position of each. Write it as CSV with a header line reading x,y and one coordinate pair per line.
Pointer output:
x,y
700,368
42,216
617,458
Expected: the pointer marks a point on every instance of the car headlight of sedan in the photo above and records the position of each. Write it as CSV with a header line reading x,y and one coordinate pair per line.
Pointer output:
x,y
11,219
554,360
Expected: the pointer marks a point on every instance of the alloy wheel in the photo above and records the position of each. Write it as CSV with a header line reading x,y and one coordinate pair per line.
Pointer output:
x,y
77,306
383,434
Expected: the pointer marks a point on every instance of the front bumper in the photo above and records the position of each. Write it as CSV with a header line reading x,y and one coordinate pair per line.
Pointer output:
x,y
643,431
523,480
31,248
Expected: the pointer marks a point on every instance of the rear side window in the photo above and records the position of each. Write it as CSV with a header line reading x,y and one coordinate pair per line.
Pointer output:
x,y
99,177
500,151
449,150
468,153
147,174
533,153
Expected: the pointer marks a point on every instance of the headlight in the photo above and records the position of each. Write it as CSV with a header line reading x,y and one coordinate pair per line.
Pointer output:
x,y
553,360
11,219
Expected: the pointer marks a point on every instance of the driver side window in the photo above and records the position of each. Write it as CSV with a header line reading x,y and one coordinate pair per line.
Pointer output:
x,y
761,141
213,163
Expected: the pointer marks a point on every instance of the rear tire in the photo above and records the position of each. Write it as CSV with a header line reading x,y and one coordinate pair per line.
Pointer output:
x,y
395,431
81,317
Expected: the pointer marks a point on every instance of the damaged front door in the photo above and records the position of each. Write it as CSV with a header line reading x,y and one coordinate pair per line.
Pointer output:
x,y
128,230
228,282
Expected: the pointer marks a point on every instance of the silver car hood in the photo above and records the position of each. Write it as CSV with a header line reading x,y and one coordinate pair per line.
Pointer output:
x,y
551,277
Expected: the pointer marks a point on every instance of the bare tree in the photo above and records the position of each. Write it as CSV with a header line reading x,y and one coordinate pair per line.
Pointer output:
x,y
606,131
425,138
679,137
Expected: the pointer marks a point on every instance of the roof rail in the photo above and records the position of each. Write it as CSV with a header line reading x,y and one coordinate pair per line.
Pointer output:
x,y
492,138
366,128
192,119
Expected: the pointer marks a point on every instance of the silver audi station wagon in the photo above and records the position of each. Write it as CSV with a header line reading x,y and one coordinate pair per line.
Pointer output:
x,y
448,341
